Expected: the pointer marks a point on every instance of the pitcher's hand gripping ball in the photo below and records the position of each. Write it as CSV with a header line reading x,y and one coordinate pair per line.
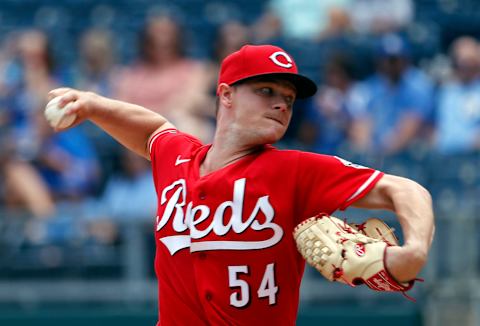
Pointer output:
x,y
59,118
351,254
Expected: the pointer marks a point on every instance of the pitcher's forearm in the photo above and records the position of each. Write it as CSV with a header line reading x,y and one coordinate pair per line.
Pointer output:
x,y
413,206
129,124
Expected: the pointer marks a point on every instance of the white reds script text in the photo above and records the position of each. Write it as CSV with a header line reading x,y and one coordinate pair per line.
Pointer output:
x,y
185,216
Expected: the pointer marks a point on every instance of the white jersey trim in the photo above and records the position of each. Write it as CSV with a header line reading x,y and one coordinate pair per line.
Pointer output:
x,y
364,186
235,245
175,243
160,133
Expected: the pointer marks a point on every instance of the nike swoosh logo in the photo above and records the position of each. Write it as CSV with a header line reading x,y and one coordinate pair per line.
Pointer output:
x,y
180,160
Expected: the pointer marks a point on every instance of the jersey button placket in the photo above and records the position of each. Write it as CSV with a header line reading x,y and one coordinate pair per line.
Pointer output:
x,y
202,195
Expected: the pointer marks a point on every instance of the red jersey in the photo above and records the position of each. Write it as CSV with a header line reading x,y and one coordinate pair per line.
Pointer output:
x,y
225,252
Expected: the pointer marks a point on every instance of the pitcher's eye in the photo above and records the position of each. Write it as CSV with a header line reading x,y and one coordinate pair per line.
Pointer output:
x,y
265,91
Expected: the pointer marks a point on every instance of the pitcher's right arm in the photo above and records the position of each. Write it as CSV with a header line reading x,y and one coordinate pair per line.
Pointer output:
x,y
131,125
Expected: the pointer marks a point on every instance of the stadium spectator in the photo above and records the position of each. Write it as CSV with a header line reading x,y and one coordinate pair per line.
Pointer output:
x,y
165,80
308,19
267,28
28,71
66,164
95,71
397,100
128,196
328,123
96,61
230,37
67,161
458,110
22,189
27,77
338,24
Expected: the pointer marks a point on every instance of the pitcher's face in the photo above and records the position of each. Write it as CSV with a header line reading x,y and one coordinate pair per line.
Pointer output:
x,y
264,108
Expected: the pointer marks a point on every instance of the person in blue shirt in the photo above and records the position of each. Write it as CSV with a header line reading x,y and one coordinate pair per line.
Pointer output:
x,y
458,109
397,100
327,124
67,162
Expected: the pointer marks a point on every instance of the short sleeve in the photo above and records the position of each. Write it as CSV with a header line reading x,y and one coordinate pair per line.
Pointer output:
x,y
328,183
166,148
168,141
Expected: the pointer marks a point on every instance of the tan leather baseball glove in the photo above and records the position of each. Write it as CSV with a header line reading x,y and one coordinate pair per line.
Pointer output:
x,y
352,254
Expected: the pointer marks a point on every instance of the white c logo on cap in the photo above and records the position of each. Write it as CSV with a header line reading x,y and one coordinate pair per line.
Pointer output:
x,y
274,56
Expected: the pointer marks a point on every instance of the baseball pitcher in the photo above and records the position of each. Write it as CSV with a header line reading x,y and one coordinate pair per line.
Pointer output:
x,y
237,218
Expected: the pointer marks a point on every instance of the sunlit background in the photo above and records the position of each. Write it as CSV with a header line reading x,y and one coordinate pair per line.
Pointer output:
x,y
399,91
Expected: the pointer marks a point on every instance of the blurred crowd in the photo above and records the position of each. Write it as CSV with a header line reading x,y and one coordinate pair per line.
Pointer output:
x,y
377,98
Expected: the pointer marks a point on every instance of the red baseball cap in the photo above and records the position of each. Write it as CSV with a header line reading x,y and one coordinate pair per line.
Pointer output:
x,y
264,60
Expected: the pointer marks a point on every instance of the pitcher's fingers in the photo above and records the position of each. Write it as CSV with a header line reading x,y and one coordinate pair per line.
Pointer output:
x,y
71,95
74,106
57,92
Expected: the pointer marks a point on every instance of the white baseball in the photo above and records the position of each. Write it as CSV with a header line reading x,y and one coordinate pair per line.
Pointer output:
x,y
59,117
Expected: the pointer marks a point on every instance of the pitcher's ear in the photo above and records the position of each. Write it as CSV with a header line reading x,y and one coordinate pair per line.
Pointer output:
x,y
225,92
